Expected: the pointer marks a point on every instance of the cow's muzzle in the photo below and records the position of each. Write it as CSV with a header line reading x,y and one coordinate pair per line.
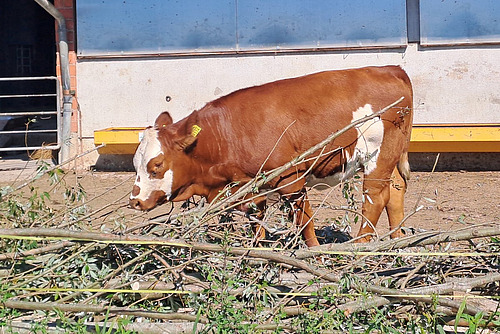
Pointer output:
x,y
135,204
156,198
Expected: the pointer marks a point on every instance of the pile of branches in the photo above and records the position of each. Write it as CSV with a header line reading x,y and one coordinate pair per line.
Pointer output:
x,y
69,263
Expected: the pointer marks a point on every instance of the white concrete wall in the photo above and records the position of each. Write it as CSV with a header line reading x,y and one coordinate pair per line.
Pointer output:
x,y
451,85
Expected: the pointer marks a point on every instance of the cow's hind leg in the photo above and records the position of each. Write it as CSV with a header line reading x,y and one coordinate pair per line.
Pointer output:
x,y
376,192
395,206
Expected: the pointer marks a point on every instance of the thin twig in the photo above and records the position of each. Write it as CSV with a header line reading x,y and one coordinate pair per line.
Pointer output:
x,y
36,251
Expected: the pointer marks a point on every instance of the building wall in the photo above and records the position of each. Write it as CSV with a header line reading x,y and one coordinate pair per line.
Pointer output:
x,y
451,84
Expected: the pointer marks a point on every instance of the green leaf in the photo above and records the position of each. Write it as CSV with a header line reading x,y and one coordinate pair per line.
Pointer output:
x,y
460,312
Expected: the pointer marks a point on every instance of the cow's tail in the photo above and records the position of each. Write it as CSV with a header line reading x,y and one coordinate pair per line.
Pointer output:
x,y
404,167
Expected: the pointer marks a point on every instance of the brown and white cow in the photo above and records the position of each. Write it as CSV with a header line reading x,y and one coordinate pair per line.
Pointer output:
x,y
261,128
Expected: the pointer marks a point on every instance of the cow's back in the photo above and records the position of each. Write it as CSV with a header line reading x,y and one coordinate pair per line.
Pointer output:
x,y
272,123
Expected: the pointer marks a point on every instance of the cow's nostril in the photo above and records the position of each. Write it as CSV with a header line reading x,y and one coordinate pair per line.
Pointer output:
x,y
135,204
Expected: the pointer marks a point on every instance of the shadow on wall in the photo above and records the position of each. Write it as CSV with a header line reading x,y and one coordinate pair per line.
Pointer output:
x,y
115,163
472,162
421,162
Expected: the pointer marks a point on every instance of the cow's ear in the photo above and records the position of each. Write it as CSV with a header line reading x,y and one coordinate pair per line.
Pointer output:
x,y
163,120
188,141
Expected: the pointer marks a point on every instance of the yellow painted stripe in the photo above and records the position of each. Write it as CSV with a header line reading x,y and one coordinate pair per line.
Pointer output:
x,y
118,140
424,138
455,138
97,290
110,242
325,252
421,254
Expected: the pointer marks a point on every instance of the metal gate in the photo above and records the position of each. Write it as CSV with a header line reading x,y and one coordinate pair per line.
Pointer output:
x,y
30,117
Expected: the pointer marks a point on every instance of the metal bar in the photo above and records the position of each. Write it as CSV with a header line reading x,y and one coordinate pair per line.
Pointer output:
x,y
232,53
456,125
14,132
30,148
27,78
27,95
413,20
65,128
28,113
23,113
59,114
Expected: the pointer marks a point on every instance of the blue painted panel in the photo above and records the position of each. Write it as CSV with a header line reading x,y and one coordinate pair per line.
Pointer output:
x,y
459,21
155,26
108,27
275,24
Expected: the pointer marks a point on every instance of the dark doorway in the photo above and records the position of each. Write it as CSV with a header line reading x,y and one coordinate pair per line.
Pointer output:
x,y
27,49
27,41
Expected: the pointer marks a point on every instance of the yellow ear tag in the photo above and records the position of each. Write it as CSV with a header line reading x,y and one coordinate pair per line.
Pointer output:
x,y
195,130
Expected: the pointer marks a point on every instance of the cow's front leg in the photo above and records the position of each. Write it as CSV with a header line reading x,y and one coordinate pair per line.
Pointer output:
x,y
258,207
250,204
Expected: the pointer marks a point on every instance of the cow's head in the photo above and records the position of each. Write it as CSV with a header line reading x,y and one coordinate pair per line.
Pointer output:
x,y
154,162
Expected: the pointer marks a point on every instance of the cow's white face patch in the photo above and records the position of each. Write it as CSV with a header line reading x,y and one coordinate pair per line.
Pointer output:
x,y
149,148
370,137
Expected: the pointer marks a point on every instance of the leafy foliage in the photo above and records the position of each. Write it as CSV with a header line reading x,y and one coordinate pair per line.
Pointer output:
x,y
218,291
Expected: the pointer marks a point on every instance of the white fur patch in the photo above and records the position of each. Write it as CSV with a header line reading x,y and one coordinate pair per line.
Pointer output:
x,y
149,148
370,137
333,180
366,152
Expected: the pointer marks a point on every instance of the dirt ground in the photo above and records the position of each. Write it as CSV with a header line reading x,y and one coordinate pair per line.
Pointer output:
x,y
449,200
461,198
